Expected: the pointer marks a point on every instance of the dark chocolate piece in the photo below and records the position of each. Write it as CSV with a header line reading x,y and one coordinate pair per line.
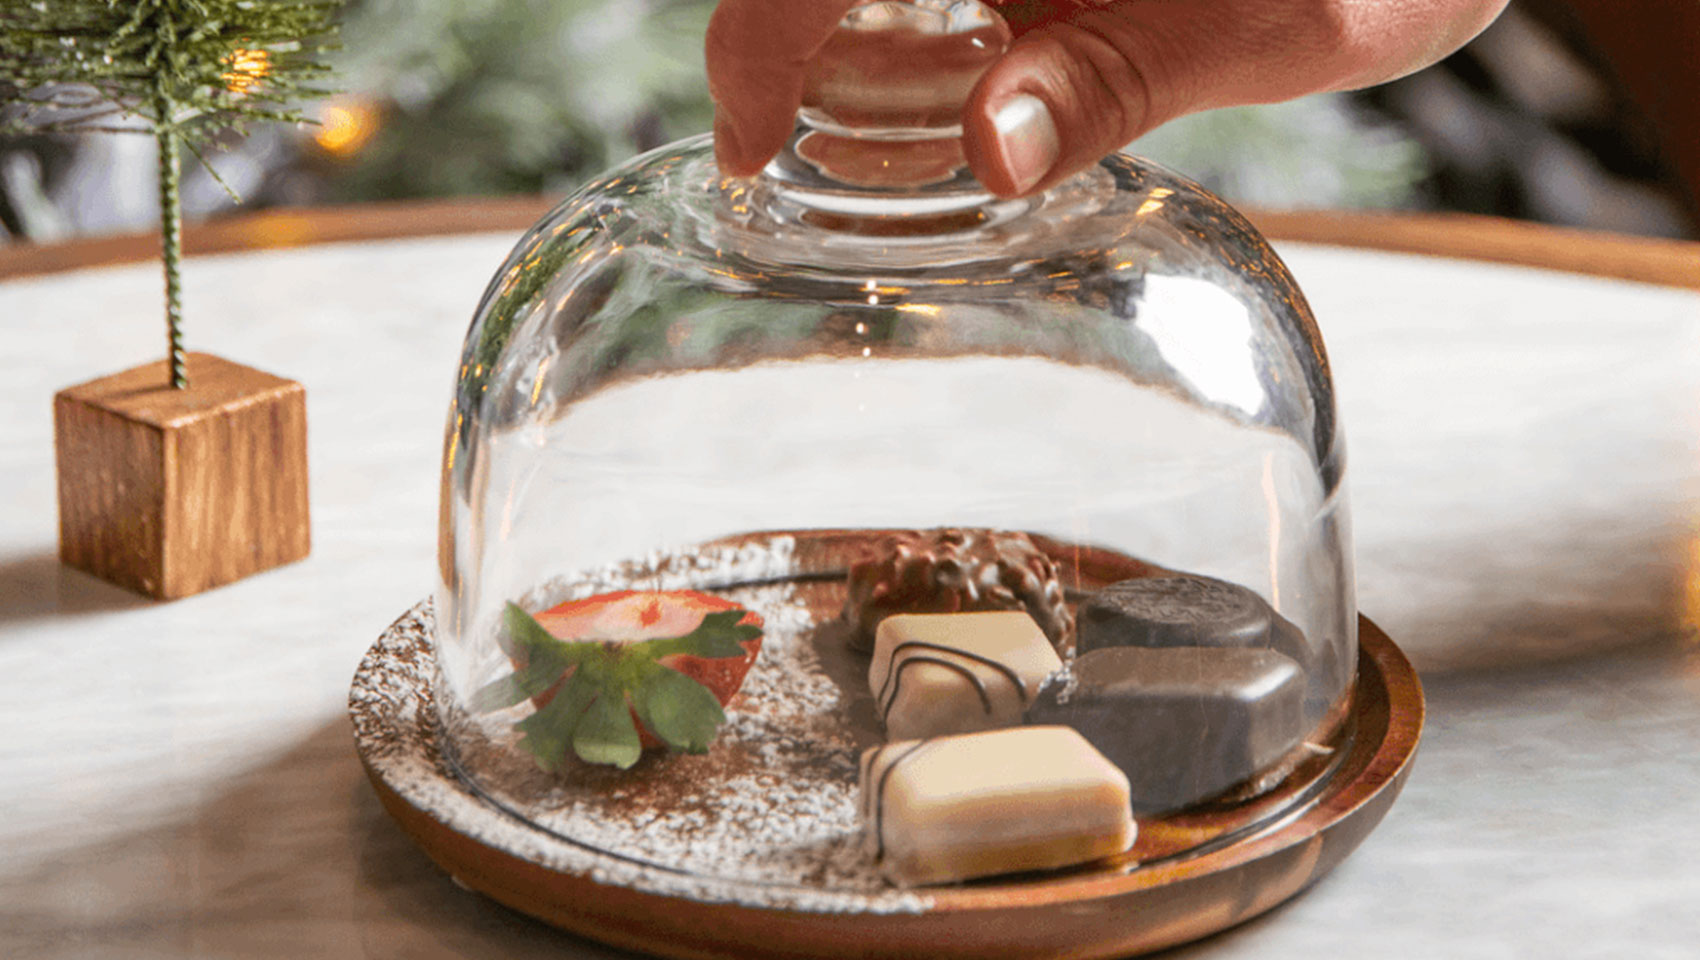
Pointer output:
x,y
1184,723
955,571
1195,611
1325,678
1174,612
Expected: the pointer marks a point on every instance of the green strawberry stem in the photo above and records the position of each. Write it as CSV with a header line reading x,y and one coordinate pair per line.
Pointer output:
x,y
605,682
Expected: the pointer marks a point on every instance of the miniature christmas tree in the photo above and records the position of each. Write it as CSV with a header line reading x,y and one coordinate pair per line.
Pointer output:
x,y
166,490
190,71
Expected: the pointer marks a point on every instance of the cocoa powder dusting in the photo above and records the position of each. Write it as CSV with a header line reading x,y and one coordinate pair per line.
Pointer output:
x,y
767,817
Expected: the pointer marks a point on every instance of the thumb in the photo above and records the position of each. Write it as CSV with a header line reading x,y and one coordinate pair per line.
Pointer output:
x,y
1086,82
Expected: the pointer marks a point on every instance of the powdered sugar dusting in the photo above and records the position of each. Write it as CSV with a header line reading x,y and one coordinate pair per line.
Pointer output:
x,y
1064,681
767,818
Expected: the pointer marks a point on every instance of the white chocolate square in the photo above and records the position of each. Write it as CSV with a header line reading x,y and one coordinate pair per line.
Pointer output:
x,y
1000,801
935,674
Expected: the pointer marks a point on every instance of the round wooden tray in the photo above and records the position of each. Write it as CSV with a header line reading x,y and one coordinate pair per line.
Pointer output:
x,y
1108,913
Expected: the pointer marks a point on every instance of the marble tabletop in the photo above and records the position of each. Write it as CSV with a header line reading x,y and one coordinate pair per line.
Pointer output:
x,y
179,780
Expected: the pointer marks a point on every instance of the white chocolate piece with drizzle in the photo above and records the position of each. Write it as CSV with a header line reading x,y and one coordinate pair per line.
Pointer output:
x,y
1000,801
936,674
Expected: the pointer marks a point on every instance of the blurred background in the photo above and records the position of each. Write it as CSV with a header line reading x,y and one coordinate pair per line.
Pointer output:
x,y
1575,112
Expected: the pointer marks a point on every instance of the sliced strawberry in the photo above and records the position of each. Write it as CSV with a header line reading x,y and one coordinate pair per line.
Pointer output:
x,y
630,616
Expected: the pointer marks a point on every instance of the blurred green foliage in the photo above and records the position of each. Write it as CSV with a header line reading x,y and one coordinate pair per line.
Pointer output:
x,y
526,96
517,96
1318,151
488,97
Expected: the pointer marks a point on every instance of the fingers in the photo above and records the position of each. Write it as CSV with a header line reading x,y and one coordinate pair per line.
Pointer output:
x,y
1051,105
756,53
1085,77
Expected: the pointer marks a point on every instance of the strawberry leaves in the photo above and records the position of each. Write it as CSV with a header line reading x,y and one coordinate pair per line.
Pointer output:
x,y
545,660
719,635
605,734
598,685
549,731
679,710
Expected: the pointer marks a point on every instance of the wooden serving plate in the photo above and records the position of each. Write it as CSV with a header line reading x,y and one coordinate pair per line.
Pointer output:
x,y
1176,890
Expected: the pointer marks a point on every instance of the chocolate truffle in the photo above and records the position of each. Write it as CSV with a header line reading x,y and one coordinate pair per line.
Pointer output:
x,y
1001,801
1183,723
955,570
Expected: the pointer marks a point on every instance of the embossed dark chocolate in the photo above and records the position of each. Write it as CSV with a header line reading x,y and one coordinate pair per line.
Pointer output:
x,y
1184,723
1195,611
1325,675
1174,612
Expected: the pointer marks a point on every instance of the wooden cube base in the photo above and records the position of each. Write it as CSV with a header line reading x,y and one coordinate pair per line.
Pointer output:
x,y
171,492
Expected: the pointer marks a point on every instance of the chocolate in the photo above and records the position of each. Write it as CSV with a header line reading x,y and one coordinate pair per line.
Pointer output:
x,y
1194,611
1174,612
1183,723
944,673
955,570
1324,679
1000,801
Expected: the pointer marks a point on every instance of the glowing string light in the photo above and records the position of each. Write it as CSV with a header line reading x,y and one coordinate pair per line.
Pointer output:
x,y
246,70
345,127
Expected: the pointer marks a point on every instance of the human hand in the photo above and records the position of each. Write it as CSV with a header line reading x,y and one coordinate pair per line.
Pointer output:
x,y
1085,77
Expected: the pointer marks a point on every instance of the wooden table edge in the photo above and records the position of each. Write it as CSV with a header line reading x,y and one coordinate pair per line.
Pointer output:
x,y
1464,236
1673,263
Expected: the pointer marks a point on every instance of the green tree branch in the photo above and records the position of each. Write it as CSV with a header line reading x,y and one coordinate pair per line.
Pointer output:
x,y
188,70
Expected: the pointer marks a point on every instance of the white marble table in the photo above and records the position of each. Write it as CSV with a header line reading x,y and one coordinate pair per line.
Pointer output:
x,y
178,779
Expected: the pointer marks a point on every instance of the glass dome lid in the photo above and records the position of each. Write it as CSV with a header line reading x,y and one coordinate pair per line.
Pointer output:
x,y
773,509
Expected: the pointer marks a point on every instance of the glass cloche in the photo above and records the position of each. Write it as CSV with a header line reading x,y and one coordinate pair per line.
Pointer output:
x,y
803,529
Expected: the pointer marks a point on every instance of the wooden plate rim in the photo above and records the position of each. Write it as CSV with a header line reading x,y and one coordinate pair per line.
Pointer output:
x,y
1388,708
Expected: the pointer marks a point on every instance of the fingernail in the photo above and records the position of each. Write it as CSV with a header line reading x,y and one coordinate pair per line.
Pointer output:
x,y
1028,138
